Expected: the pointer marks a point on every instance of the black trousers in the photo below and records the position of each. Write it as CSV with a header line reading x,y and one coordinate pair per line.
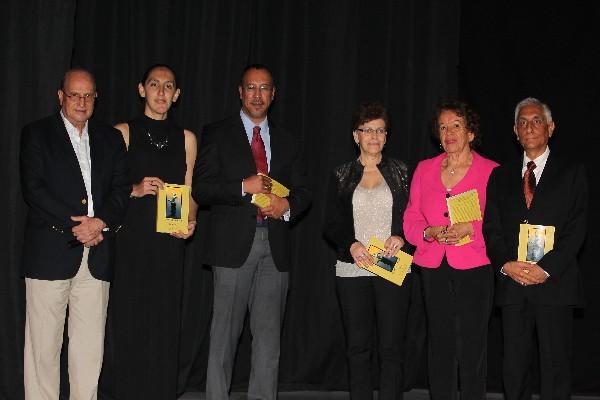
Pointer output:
x,y
458,305
553,327
365,301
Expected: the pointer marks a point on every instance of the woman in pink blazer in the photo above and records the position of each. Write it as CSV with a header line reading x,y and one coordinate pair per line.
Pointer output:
x,y
457,279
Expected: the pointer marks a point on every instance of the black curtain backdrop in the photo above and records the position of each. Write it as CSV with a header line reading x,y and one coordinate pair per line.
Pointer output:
x,y
326,57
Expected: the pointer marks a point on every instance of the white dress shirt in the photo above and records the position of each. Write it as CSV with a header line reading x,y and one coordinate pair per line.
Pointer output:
x,y
540,164
81,146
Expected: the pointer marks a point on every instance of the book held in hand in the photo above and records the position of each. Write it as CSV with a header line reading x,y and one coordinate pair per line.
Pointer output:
x,y
534,242
464,207
393,268
172,208
262,200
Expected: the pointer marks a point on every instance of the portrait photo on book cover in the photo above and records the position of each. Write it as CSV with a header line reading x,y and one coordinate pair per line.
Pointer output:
x,y
382,261
173,198
536,241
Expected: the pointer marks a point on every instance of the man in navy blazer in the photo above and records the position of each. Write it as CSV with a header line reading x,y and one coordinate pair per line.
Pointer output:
x,y
74,180
250,249
536,297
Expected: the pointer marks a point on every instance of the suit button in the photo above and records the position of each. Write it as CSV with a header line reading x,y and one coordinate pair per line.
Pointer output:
x,y
83,201
446,214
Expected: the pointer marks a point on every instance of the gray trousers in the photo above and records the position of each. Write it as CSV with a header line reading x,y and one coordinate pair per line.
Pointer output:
x,y
256,286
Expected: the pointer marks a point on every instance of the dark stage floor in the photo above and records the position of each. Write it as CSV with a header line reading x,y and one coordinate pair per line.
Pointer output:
x,y
310,395
416,394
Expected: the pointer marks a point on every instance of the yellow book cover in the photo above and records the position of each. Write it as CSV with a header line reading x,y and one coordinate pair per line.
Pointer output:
x,y
172,208
464,207
534,242
394,268
262,200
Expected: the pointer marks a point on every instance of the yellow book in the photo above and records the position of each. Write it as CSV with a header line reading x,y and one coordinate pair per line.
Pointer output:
x,y
394,268
534,242
261,200
464,207
172,208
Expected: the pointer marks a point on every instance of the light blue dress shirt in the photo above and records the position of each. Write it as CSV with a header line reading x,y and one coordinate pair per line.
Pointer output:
x,y
264,133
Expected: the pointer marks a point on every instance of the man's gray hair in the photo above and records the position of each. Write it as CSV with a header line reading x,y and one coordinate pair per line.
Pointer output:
x,y
533,101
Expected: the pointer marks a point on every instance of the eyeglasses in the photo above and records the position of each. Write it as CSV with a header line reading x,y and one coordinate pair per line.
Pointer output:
x,y
87,97
371,131
265,87
535,122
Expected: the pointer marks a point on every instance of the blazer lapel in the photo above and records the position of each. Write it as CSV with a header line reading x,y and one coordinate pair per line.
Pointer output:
x,y
275,143
66,147
546,178
516,185
96,156
64,143
241,147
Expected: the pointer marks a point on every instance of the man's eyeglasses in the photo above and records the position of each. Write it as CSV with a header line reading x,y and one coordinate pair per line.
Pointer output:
x,y
371,131
87,97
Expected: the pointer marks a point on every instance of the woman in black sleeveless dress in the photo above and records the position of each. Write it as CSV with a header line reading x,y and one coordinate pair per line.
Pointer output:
x,y
145,296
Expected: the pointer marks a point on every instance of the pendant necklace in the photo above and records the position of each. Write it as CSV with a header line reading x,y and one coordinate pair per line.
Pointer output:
x,y
161,144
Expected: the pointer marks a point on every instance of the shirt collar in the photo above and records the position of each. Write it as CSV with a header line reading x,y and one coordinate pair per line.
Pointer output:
x,y
249,124
72,129
539,160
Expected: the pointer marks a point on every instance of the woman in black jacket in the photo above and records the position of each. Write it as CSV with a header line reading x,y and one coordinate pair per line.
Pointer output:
x,y
366,199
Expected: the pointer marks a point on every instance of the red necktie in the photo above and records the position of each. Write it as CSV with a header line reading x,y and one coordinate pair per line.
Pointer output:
x,y
260,159
258,151
529,183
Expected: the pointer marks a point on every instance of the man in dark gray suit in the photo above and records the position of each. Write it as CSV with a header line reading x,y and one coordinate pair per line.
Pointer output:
x,y
249,247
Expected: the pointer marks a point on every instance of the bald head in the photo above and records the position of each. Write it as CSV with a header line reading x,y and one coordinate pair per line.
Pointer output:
x,y
77,96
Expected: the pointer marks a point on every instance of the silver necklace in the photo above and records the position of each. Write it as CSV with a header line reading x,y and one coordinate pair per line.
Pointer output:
x,y
161,144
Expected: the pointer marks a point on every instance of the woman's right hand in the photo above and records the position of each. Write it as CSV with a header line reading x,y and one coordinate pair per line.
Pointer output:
x,y
148,185
437,234
361,256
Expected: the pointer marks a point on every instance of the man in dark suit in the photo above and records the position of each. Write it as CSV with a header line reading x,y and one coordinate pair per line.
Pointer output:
x,y
74,180
249,247
536,297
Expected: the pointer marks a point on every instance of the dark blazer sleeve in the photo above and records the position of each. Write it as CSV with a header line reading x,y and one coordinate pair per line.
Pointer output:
x,y
497,248
113,207
208,186
569,239
44,202
336,229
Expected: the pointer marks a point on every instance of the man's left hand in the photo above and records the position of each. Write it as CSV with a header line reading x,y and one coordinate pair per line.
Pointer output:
x,y
88,229
95,241
278,207
537,273
181,235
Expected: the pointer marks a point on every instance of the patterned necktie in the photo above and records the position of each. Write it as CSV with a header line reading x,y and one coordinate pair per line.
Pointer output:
x,y
529,183
260,159
258,151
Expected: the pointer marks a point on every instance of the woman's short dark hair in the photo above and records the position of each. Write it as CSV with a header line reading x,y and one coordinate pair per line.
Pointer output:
x,y
368,112
156,66
463,110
